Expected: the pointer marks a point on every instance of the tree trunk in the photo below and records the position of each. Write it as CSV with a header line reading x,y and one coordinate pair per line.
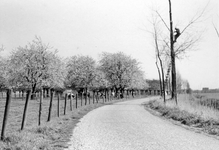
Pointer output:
x,y
70,102
76,99
44,93
93,96
172,54
170,88
158,69
162,72
116,92
33,91
40,106
85,96
65,103
97,96
22,94
108,98
58,101
15,94
49,92
105,96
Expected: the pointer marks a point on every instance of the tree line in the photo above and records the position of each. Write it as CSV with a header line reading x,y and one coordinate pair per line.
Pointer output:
x,y
37,65
37,70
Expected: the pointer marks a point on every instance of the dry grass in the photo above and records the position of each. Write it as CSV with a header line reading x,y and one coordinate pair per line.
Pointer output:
x,y
207,95
190,104
189,112
16,112
53,135
208,99
34,136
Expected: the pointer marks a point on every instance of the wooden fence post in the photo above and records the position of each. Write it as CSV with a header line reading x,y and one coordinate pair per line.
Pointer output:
x,y
58,99
97,97
50,106
93,96
65,104
28,94
40,106
110,93
85,99
7,108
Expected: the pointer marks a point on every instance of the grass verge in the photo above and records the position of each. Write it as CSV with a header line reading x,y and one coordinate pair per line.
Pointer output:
x,y
190,119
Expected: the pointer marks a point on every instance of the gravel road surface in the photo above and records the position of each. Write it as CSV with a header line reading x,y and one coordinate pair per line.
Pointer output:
x,y
128,126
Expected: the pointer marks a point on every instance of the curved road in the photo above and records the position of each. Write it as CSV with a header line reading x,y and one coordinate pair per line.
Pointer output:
x,y
128,126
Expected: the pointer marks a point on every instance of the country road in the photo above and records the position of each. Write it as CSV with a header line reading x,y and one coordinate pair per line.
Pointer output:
x,y
128,126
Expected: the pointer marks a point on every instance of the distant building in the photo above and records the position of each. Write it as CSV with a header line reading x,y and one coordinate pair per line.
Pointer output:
x,y
205,89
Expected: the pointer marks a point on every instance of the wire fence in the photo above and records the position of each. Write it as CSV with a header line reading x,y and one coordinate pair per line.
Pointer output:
x,y
22,108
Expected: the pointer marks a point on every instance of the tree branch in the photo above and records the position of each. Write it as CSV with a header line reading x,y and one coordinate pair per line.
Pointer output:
x,y
215,29
194,19
162,20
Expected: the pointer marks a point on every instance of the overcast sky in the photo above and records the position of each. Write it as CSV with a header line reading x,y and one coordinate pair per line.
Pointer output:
x,y
89,27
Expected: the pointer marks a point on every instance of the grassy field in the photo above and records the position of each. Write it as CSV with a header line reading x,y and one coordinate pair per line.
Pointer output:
x,y
190,112
193,105
34,136
208,99
16,112
207,95
53,135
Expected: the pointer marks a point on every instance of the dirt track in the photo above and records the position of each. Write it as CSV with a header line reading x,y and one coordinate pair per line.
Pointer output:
x,y
128,126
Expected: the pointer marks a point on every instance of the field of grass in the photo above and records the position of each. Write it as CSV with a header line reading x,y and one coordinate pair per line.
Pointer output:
x,y
16,112
207,95
208,99
193,105
190,112
34,136
53,135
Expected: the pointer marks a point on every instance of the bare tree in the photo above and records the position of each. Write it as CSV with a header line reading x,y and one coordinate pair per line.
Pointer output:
x,y
172,54
158,56
159,74
178,49
173,39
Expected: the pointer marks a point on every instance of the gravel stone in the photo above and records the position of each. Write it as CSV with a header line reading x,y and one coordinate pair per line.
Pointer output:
x,y
128,126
